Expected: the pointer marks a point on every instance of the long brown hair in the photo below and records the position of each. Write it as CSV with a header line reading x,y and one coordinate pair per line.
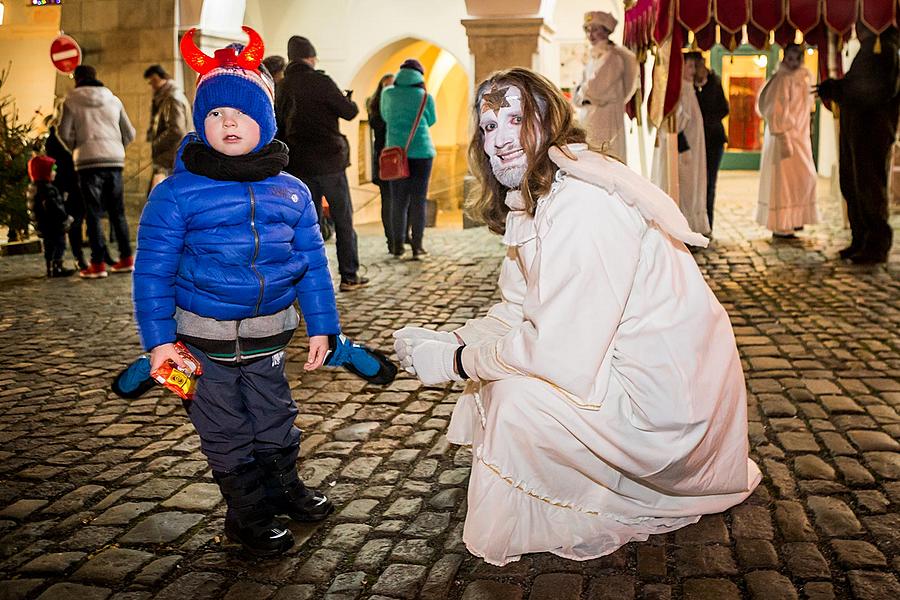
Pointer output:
x,y
556,120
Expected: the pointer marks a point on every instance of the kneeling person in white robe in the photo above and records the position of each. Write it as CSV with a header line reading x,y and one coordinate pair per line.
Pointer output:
x,y
606,400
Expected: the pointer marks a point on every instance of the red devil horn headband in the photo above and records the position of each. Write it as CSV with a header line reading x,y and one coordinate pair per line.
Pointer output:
x,y
249,57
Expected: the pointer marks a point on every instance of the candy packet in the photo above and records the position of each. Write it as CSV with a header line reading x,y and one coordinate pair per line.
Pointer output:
x,y
182,381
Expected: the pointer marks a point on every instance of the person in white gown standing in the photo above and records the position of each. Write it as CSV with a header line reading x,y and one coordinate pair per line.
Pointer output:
x,y
787,173
691,154
609,81
605,398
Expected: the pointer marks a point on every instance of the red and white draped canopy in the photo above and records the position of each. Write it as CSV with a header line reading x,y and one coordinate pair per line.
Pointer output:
x,y
665,24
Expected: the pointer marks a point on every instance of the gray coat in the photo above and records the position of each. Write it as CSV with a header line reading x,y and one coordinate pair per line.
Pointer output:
x,y
95,128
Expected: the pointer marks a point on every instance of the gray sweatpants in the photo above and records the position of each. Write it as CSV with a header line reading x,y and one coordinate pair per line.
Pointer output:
x,y
242,408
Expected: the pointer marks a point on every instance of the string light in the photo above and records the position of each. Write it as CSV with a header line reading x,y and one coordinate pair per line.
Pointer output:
x,y
45,2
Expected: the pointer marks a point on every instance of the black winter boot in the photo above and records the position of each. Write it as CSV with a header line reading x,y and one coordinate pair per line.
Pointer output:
x,y
249,520
286,493
55,268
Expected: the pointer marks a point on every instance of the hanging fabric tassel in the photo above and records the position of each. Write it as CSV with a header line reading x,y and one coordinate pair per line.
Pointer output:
x,y
877,48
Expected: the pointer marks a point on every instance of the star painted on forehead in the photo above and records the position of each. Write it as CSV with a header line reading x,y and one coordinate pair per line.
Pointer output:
x,y
494,100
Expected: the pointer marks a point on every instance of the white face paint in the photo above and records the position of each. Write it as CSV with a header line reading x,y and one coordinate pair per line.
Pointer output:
x,y
501,122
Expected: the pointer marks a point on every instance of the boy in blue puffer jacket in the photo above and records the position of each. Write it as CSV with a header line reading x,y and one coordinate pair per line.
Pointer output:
x,y
225,247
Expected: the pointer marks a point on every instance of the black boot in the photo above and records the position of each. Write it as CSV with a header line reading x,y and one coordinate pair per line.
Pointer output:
x,y
249,520
49,267
286,493
56,269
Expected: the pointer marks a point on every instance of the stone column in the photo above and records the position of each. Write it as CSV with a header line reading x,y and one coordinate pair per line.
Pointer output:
x,y
121,38
500,43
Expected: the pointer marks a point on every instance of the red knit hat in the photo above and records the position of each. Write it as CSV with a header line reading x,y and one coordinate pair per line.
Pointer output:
x,y
40,167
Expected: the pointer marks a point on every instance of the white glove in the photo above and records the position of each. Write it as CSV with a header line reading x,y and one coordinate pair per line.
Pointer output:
x,y
420,333
429,360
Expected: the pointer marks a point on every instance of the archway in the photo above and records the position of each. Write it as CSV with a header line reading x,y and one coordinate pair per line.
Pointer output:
x,y
448,82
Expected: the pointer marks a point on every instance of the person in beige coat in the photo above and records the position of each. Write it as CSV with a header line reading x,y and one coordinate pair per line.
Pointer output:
x,y
605,400
610,80
787,173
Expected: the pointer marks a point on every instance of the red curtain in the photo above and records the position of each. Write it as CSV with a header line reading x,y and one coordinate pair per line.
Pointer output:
x,y
878,15
731,14
757,37
840,15
767,15
804,14
706,37
694,15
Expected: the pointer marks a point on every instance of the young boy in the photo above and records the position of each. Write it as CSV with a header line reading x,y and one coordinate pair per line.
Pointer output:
x,y
48,212
225,247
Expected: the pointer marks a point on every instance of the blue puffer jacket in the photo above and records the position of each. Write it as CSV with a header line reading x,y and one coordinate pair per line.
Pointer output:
x,y
229,250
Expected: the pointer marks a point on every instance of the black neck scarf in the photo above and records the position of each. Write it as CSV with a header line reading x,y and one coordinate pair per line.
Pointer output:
x,y
268,161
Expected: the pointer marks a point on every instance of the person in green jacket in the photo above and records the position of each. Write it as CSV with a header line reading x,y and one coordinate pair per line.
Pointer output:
x,y
399,105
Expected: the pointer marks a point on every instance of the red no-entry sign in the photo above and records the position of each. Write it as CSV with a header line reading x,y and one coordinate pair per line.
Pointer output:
x,y
65,54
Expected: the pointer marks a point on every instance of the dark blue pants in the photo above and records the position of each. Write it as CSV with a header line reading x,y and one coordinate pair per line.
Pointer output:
x,y
102,192
54,245
241,409
714,153
408,198
336,190
385,188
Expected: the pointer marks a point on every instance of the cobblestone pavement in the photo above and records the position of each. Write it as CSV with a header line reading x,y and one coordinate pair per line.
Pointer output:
x,y
106,498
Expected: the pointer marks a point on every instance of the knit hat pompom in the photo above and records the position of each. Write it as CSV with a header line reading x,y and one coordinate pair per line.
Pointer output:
x,y
40,168
232,78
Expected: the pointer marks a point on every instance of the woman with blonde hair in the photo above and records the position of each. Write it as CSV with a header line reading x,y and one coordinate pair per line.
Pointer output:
x,y
605,399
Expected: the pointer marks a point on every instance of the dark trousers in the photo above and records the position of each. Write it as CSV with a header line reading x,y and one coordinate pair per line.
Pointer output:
x,y
102,191
75,209
54,245
864,143
385,188
408,203
714,153
336,190
241,409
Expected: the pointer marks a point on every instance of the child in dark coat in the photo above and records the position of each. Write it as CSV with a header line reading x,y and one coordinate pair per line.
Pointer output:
x,y
48,213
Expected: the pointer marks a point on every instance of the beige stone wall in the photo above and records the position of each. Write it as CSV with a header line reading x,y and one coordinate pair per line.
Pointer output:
x,y
121,38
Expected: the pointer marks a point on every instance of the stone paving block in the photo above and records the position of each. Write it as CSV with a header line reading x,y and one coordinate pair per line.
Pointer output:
x,y
797,441
123,514
249,590
556,586
403,507
296,592
868,441
656,591
710,529
75,500
492,590
710,589
361,468
319,566
18,589
809,466
199,585
857,554
22,508
833,516
792,522
347,536
154,572
161,528
400,580
112,565
885,464
372,554
872,585
53,563
440,578
67,591
428,524
751,522
612,587
358,510
756,554
804,561
852,471
695,560
769,585
836,444
200,497
818,590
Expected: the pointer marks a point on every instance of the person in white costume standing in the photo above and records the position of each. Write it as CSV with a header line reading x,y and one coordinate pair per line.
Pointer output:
x,y
606,400
787,174
610,80
691,154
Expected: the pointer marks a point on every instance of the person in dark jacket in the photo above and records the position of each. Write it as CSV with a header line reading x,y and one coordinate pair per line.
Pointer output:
x,y
67,183
399,106
379,133
226,246
49,214
308,105
869,99
714,108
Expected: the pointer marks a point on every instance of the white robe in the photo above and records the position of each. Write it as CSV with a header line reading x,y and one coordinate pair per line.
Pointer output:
x,y
610,403
609,81
787,173
691,164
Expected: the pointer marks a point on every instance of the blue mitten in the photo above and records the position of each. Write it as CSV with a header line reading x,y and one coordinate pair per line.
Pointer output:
x,y
134,380
367,363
